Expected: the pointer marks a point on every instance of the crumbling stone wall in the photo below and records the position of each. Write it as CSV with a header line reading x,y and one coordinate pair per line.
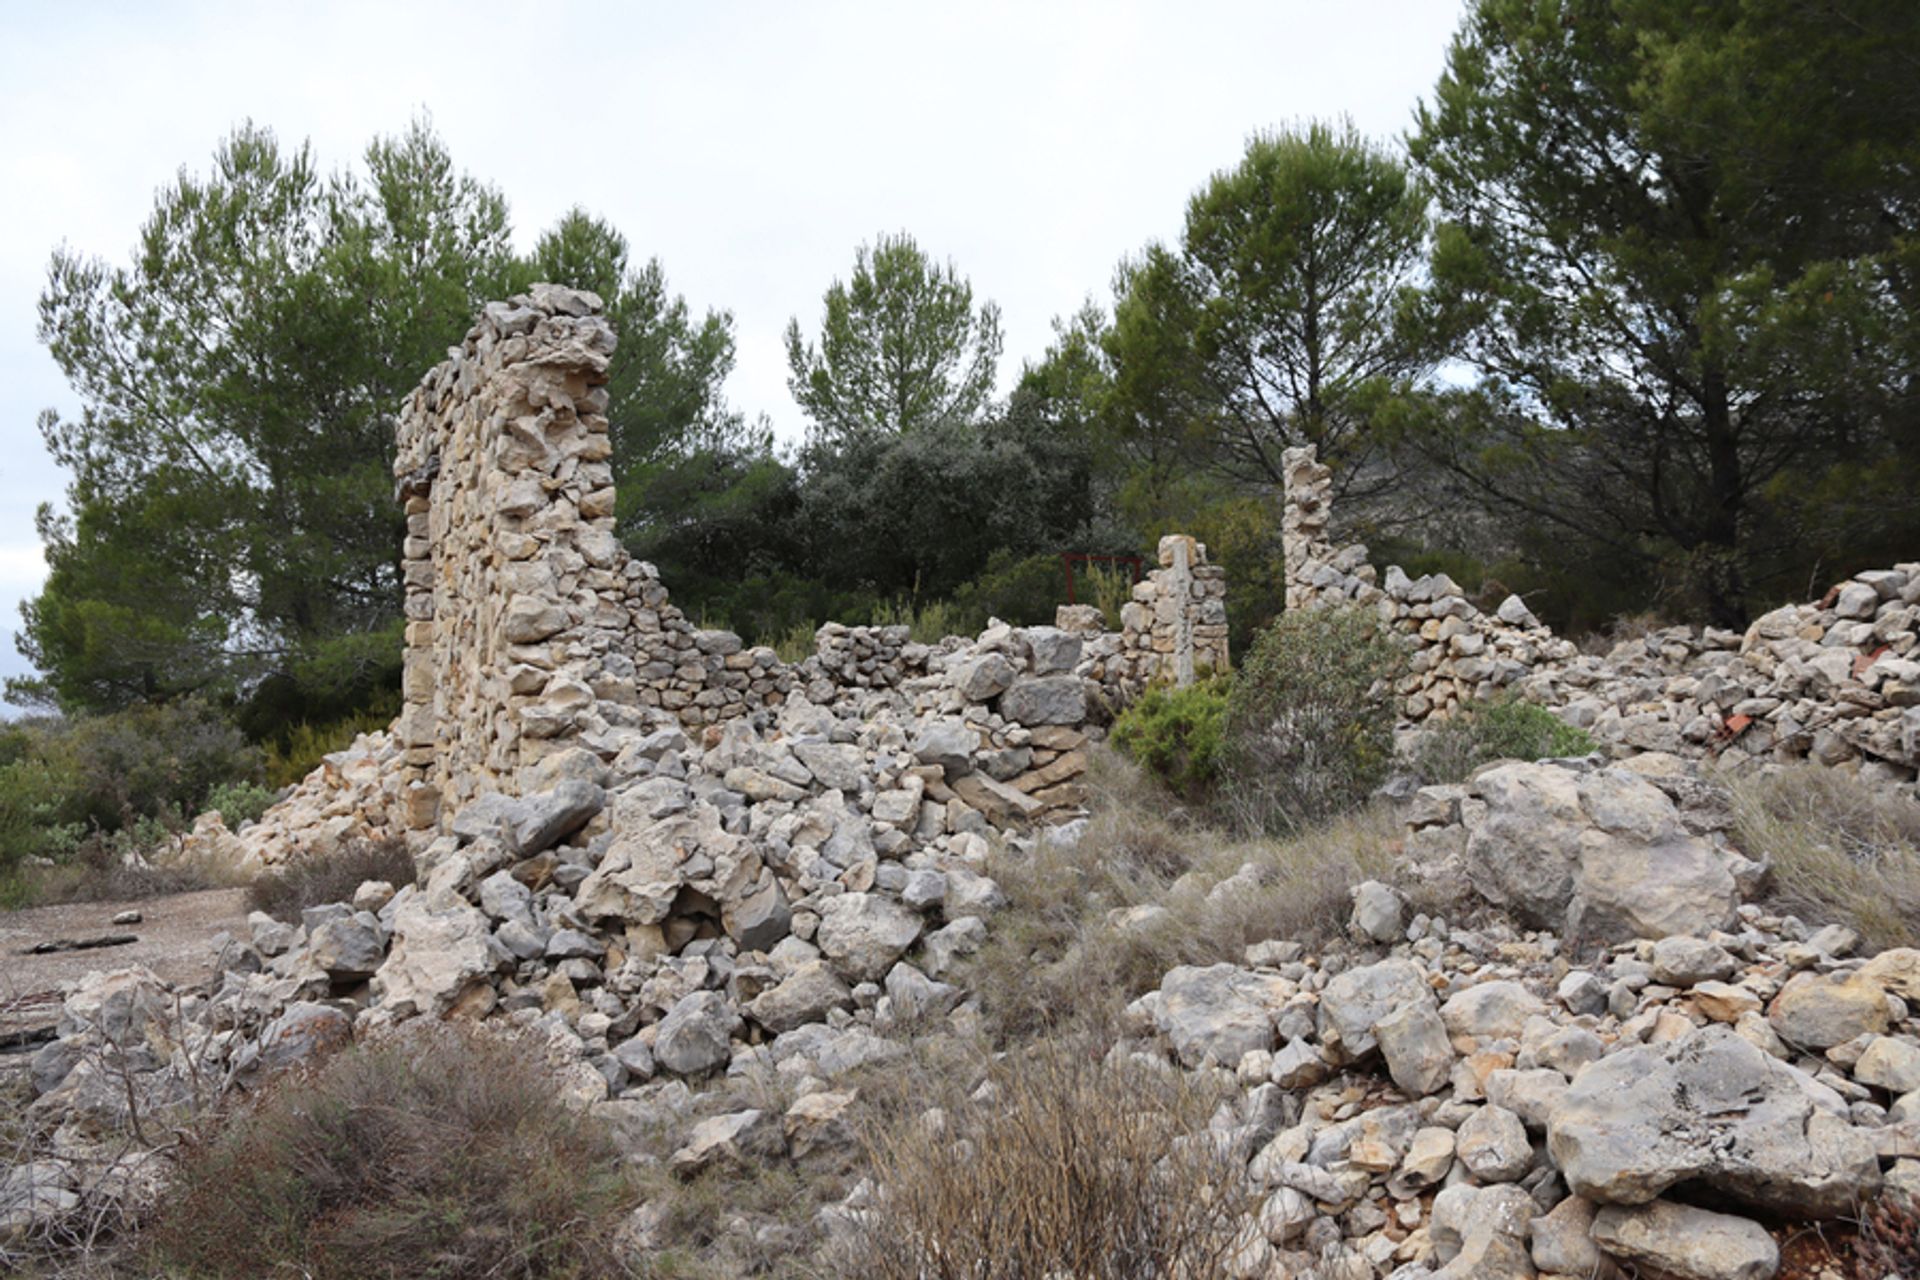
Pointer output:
x,y
534,641
1835,680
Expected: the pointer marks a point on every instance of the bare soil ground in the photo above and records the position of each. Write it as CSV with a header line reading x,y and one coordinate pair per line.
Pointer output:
x,y
174,940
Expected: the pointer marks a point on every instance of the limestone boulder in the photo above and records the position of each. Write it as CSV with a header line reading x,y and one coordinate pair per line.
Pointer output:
x,y
1687,1243
443,949
647,867
862,934
1711,1108
1359,998
697,1034
1042,700
1599,852
1219,1012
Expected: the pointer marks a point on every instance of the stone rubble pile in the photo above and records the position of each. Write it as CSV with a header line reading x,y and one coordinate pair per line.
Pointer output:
x,y
1482,1104
694,907
1836,681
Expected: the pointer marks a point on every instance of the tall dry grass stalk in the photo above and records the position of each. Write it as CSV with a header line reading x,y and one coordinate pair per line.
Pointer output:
x,y
1843,851
1061,1165
1151,886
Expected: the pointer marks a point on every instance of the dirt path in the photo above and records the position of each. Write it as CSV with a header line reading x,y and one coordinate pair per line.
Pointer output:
x,y
174,935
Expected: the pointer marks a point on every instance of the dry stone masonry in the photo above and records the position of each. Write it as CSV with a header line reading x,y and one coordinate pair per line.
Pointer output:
x,y
1836,681
539,651
675,863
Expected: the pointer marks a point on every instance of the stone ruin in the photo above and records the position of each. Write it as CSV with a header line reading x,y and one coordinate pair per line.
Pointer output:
x,y
1835,681
538,649
677,862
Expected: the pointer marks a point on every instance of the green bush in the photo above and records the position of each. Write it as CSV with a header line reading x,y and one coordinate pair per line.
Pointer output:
x,y
128,777
239,802
152,761
1505,730
1310,721
301,748
437,1152
1178,733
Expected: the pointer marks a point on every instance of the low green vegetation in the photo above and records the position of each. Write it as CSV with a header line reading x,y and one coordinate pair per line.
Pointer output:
x,y
1507,729
81,797
1178,734
1310,720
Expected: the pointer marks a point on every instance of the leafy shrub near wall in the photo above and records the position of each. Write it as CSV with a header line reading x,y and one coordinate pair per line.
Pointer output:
x,y
1178,734
1310,721
1508,729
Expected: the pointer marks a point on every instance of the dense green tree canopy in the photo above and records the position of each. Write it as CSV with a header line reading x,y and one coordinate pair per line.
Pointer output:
x,y
1680,240
1275,321
901,346
231,523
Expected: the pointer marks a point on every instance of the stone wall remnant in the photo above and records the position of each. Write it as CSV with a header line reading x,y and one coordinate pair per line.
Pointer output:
x,y
538,649
1835,681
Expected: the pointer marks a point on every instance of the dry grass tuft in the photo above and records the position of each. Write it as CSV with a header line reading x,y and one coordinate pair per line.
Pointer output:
x,y
1060,1166
1843,851
333,878
1058,956
435,1152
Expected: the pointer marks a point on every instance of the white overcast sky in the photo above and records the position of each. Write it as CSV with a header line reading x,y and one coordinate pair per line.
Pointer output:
x,y
749,146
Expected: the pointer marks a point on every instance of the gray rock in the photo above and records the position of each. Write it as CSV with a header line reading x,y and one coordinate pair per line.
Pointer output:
x,y
1358,998
1582,993
1532,1095
1219,1012
1040,700
1601,853
1687,1243
761,916
1562,1239
1711,1108
862,934
925,889
1493,1145
485,815
945,946
1890,1064
806,995
270,936
348,949
984,677
634,1055
442,949
1414,1042
1481,1233
1491,1010
1682,961
1819,1011
740,1140
1379,913
572,944
950,744
1054,650
537,822
839,765
914,995
304,1032
697,1034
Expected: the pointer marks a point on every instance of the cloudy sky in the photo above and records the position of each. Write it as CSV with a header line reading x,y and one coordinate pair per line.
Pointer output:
x,y
750,146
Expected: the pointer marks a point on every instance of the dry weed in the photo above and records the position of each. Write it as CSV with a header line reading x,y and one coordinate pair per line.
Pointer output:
x,y
1843,851
1060,1165
1150,886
